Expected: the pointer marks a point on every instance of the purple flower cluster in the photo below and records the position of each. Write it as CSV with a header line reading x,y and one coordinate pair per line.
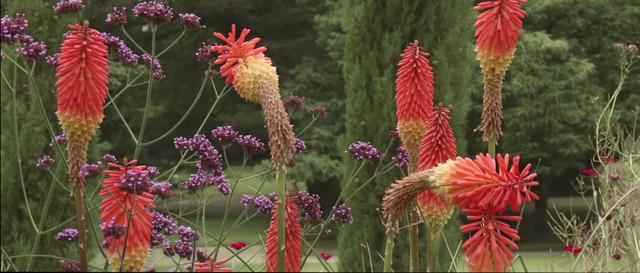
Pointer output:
x,y
53,60
45,162
252,144
68,6
401,159
262,203
153,11
293,102
225,134
124,53
182,144
13,29
630,48
201,255
191,20
90,170
154,65
33,50
202,177
153,171
210,158
362,150
394,134
109,158
163,224
343,215
68,235
60,139
299,146
113,229
136,181
318,111
311,209
184,244
67,266
118,17
204,54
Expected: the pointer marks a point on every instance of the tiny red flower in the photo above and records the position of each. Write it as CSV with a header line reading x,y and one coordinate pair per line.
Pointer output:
x,y
589,172
617,257
609,159
238,245
325,256
575,250
614,177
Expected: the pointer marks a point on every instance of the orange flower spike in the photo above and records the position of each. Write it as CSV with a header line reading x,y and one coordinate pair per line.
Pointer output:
x,y
498,29
83,76
121,200
293,242
254,77
438,146
414,97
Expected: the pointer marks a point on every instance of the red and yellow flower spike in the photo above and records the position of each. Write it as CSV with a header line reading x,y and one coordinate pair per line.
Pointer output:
x,y
83,76
126,200
498,29
293,240
438,146
255,79
414,97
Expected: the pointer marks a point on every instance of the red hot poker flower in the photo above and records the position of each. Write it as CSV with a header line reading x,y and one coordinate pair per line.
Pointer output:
x,y
293,240
414,97
438,146
477,184
489,248
125,194
235,51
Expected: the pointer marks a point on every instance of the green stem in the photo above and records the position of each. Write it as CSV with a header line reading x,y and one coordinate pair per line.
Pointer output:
x,y
388,250
82,226
491,145
43,219
145,115
280,191
184,30
413,243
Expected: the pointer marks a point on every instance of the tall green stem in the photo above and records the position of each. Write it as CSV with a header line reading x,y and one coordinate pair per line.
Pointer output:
x,y
281,172
414,251
388,250
145,115
491,145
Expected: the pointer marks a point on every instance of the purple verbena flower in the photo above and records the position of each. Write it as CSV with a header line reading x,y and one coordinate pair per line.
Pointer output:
x,y
33,50
293,102
163,224
53,60
188,234
252,144
68,235
45,162
311,209
191,20
196,181
263,204
299,146
204,54
246,199
12,28
220,182
153,171
153,11
109,158
113,229
225,134
69,6
136,181
124,53
184,248
318,111
401,159
161,189
182,144
68,266
362,150
343,215
201,255
118,17
154,66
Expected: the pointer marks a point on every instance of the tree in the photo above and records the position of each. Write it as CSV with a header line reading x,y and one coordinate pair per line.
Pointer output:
x,y
375,32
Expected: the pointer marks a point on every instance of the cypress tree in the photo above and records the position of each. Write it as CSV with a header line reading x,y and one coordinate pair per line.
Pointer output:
x,y
375,32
